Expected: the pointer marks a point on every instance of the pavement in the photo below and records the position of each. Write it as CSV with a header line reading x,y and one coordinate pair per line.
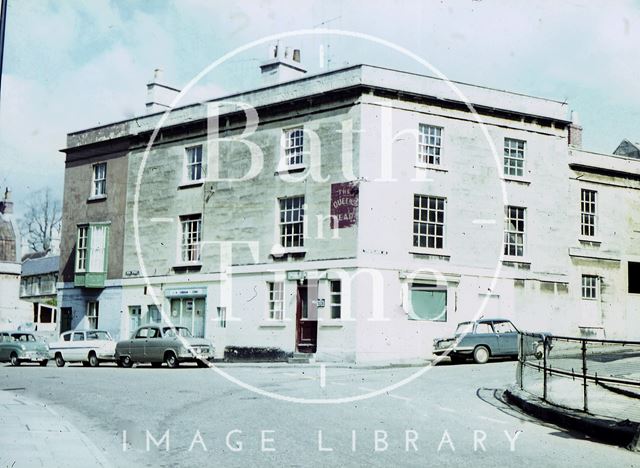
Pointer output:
x,y
34,435
617,431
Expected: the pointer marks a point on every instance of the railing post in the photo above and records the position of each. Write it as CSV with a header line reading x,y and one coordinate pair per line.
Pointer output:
x,y
544,368
584,375
521,358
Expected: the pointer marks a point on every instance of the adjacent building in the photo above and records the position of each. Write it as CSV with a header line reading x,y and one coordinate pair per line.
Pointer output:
x,y
388,207
38,286
13,311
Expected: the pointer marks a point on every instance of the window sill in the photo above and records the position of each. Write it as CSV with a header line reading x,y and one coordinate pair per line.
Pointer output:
x,y
330,325
190,183
96,198
283,252
589,240
516,261
433,167
272,324
187,266
290,169
431,252
516,179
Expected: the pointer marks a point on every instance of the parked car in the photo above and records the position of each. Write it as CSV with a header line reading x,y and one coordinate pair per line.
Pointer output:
x,y
90,347
486,338
19,346
163,343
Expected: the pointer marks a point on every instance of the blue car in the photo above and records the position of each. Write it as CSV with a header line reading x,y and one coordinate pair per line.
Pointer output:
x,y
486,338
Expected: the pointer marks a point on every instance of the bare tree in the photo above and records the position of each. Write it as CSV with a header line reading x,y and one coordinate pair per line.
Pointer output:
x,y
41,221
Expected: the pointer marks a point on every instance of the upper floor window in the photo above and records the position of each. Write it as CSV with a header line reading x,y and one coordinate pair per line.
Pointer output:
x,y
589,287
429,144
514,154
293,147
81,248
99,180
191,237
428,221
194,169
514,231
588,212
633,277
276,300
292,222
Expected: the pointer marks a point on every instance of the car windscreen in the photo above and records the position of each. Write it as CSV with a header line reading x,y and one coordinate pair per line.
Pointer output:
x,y
464,327
177,331
23,337
504,327
98,335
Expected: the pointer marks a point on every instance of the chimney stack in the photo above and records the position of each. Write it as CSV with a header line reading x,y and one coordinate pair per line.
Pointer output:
x,y
159,96
6,205
575,131
282,65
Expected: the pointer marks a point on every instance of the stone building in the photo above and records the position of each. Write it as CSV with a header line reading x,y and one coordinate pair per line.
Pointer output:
x,y
13,311
389,206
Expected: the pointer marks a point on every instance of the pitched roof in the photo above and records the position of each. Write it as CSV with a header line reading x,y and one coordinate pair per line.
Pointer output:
x,y
40,266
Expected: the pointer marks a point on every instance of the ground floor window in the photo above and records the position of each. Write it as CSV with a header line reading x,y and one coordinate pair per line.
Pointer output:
x,y
153,314
92,314
276,300
135,317
634,277
428,302
189,312
335,299
589,287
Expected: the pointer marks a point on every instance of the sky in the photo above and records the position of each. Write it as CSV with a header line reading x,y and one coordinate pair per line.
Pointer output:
x,y
75,64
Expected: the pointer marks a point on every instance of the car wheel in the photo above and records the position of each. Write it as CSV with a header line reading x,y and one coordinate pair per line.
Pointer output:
x,y
60,362
171,360
14,359
126,361
481,355
202,363
93,360
44,363
539,351
156,364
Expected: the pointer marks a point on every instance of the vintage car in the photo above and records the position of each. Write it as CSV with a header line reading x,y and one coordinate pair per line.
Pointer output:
x,y
486,338
90,347
156,344
19,346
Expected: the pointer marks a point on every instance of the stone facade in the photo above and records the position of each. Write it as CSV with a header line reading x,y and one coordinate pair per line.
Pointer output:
x,y
360,125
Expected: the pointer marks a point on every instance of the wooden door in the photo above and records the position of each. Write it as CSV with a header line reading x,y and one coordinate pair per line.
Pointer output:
x,y
307,317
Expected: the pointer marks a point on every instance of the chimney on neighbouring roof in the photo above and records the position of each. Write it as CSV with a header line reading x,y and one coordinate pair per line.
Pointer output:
x,y
575,131
159,96
283,65
6,205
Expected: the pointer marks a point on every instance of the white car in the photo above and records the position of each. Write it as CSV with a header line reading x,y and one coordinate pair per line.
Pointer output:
x,y
87,346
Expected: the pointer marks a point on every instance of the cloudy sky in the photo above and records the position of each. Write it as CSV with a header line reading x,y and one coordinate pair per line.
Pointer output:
x,y
74,64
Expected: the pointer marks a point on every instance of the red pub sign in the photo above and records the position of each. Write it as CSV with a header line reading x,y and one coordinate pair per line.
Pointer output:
x,y
344,205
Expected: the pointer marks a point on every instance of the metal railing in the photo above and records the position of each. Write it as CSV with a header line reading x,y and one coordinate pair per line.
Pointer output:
x,y
593,375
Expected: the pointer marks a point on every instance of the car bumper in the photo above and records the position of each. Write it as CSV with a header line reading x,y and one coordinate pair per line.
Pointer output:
x,y
453,351
34,356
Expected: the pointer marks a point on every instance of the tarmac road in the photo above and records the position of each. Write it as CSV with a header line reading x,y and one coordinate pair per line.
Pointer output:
x,y
448,416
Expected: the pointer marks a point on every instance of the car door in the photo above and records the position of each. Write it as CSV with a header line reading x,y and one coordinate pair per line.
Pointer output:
x,y
484,335
137,344
77,347
507,337
154,346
